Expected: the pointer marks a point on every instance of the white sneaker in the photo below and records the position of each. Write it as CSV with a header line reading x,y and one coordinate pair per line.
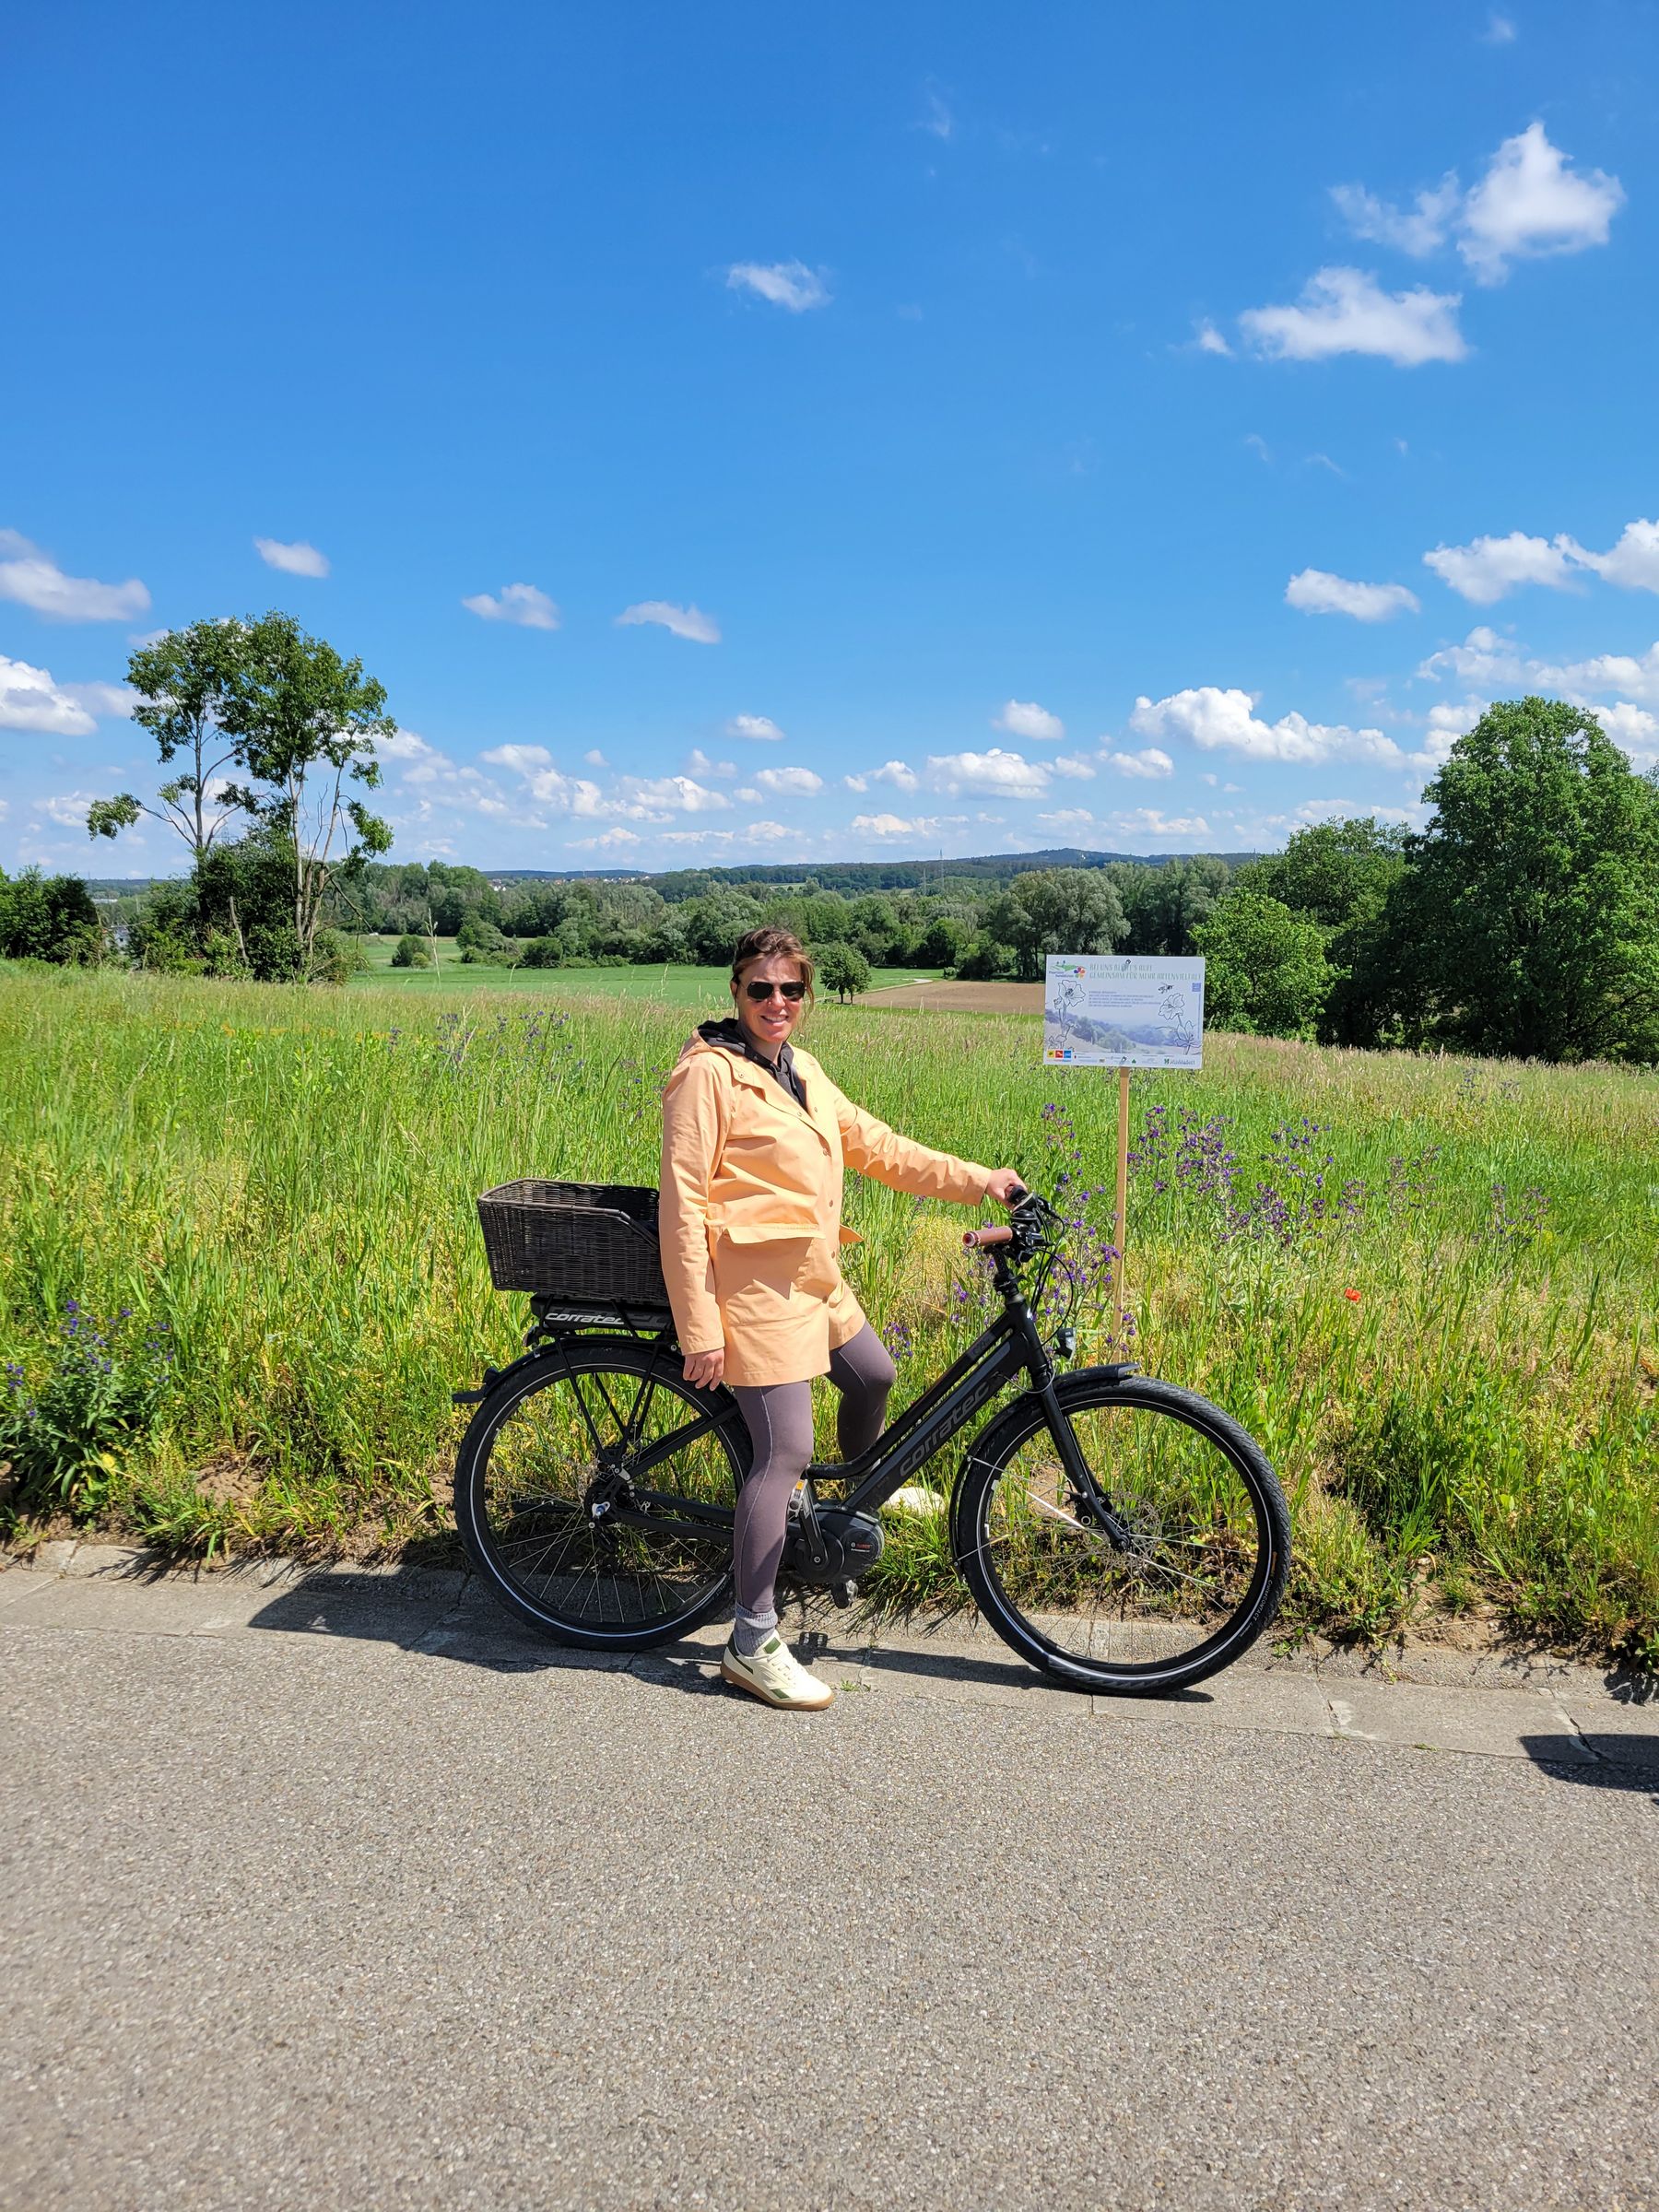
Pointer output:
x,y
776,1676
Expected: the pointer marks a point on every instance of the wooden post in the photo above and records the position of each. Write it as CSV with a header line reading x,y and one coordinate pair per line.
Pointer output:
x,y
1122,1190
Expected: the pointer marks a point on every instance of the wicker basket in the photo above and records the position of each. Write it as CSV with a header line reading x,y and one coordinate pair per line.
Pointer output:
x,y
590,1243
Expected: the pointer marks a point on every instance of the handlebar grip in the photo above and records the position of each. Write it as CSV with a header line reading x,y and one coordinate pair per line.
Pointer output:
x,y
977,1240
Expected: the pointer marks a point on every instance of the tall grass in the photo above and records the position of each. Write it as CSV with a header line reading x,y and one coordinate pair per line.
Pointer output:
x,y
1428,1286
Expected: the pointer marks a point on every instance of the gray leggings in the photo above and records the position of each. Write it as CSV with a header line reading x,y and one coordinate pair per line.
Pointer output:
x,y
779,1416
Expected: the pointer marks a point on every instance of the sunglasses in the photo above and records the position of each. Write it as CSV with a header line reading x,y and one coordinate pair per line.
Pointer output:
x,y
760,993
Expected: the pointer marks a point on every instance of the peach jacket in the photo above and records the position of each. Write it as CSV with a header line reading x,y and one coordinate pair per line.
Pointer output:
x,y
750,1219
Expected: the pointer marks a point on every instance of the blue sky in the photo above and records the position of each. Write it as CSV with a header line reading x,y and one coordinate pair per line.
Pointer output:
x,y
731,433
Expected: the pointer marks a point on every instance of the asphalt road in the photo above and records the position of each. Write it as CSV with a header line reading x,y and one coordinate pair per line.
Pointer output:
x,y
346,1896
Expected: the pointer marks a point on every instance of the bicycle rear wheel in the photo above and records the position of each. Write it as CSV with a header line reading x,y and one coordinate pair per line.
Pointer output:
x,y
594,1491
1187,1573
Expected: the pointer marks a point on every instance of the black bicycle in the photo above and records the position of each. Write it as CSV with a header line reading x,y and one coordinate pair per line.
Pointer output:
x,y
1121,1535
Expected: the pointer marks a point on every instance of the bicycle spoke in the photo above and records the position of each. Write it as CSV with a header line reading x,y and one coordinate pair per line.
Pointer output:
x,y
1183,1514
567,1520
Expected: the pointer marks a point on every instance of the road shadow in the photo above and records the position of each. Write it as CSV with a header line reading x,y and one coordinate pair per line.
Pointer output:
x,y
1617,1760
451,1618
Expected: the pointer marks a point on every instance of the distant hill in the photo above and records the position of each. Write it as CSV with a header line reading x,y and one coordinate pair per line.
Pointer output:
x,y
850,876
863,875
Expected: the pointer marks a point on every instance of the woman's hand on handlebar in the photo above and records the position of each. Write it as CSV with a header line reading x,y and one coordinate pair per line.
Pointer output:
x,y
706,1371
1004,1186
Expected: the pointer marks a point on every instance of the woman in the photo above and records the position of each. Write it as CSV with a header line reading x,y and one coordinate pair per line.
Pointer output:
x,y
754,1137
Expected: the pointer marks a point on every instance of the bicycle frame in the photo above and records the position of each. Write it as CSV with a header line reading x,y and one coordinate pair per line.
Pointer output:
x,y
1009,1346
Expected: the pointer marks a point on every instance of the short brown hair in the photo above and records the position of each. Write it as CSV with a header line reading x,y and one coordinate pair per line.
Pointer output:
x,y
767,943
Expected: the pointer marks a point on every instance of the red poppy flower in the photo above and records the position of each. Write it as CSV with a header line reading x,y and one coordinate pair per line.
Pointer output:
x,y
1353,1296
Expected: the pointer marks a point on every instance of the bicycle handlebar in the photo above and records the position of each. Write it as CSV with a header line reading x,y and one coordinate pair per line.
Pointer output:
x,y
977,1240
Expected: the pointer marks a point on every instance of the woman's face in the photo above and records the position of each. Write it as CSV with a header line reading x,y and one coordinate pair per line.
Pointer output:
x,y
767,1021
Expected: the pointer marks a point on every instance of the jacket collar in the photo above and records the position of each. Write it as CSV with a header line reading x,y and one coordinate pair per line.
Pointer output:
x,y
753,1072
731,1036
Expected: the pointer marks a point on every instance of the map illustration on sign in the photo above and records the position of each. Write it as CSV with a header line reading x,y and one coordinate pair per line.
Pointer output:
x,y
1109,1009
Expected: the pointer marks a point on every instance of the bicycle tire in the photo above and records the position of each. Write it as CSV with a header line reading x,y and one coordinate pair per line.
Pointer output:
x,y
564,1458
979,1551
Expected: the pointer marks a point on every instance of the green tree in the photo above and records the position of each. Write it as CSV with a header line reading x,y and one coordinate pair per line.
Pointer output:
x,y
305,723
1533,896
843,970
1342,875
183,681
943,941
411,953
1264,968
49,918
1056,910
1164,905
712,924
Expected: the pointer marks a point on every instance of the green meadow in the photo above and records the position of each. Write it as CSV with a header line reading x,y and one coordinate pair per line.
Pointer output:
x,y
1428,1285
673,983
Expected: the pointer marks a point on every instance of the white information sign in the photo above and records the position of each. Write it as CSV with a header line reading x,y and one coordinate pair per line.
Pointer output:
x,y
1109,1009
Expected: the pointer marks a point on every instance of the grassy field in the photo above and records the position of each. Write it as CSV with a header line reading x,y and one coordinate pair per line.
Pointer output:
x,y
1428,1287
669,985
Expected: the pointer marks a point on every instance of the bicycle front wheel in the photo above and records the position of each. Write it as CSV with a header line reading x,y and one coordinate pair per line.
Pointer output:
x,y
1181,1572
594,1491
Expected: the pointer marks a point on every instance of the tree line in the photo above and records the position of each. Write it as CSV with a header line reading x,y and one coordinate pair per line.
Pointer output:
x,y
1522,919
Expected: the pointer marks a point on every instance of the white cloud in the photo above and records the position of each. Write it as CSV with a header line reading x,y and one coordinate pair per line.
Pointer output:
x,y
404,745
1483,658
1530,203
896,772
1317,592
796,783
1419,231
1500,30
893,825
1451,719
938,122
1147,821
1025,718
30,700
595,759
789,284
700,764
760,728
68,811
770,833
298,559
108,702
1635,673
1632,563
1211,718
1003,775
1633,728
608,840
1208,339
1497,664
1490,567
684,621
1148,761
34,580
1074,765
1340,810
523,760
520,602
1345,310
682,794
1067,818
